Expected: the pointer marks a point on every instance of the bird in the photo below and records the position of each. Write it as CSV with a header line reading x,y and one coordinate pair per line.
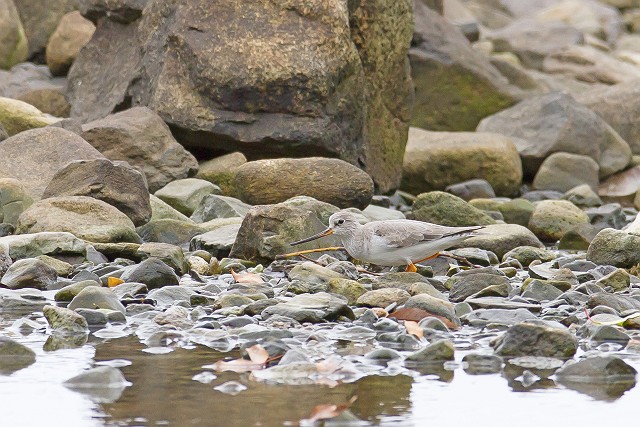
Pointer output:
x,y
392,242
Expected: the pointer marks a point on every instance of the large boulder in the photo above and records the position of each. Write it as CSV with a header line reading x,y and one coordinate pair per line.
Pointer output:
x,y
554,122
564,171
115,183
446,209
501,238
456,86
182,57
615,247
140,137
17,116
329,180
40,19
435,160
72,33
85,217
267,230
551,219
13,42
59,245
48,150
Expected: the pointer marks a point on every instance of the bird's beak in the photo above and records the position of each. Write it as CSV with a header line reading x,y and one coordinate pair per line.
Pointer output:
x,y
324,233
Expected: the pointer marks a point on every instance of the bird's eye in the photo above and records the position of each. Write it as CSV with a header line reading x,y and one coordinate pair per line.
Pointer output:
x,y
340,222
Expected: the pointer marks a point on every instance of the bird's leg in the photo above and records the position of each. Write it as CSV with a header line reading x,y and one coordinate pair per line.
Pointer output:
x,y
412,265
461,259
309,251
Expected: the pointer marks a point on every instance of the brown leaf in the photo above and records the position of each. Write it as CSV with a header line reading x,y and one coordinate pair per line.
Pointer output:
x,y
246,277
112,282
327,411
258,354
416,315
414,329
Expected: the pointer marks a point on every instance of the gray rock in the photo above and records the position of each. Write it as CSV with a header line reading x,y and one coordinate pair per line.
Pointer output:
x,y
152,272
583,196
527,254
222,171
597,370
95,297
47,243
169,254
49,149
69,292
29,273
313,308
618,280
332,181
619,303
614,247
472,189
482,364
309,272
169,295
171,231
64,321
446,209
607,216
85,217
14,356
497,316
578,238
472,284
350,289
439,351
161,210
141,138
103,384
115,183
383,297
622,187
501,238
528,339
63,269
40,19
186,195
217,242
13,200
433,305
215,206
551,219
559,123
606,333
538,290
564,171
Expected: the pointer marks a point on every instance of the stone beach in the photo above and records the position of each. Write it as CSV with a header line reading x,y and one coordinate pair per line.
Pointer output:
x,y
158,157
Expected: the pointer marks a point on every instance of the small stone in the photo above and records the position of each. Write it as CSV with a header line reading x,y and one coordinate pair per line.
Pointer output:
x,y
152,272
564,171
95,298
433,305
29,273
383,298
64,321
472,189
606,333
529,339
186,195
14,356
583,196
551,219
439,351
618,280
527,254
69,292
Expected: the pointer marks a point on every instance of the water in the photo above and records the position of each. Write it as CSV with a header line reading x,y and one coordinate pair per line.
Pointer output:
x,y
164,393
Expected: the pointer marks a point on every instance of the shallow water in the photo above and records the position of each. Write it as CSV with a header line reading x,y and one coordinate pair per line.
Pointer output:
x,y
164,393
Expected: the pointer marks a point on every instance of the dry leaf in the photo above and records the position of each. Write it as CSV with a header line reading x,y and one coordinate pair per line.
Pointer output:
x,y
328,411
246,277
416,315
258,354
414,329
114,281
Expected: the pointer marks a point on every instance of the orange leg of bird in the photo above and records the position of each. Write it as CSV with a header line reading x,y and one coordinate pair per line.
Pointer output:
x,y
412,266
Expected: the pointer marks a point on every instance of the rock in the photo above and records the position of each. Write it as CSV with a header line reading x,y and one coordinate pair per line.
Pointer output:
x,y
559,123
161,210
605,333
60,245
614,247
215,206
590,64
619,106
103,384
578,238
456,86
64,321
383,298
14,356
267,230
49,150
596,370
471,189
501,238
172,231
69,292
218,242
564,171
29,273
621,187
169,254
446,209
582,196
14,48
13,200
551,219
538,290
332,181
378,213
313,308
438,351
285,106
72,33
516,211
123,11
532,40
221,171
115,183
18,116
49,100
527,254
350,289
152,272
435,160
141,138
529,339
40,19
169,295
609,215
95,298
592,17
85,217
186,195
617,280
478,284
497,316
619,303
433,305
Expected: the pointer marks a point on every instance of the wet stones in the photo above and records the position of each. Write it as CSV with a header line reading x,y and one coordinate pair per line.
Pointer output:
x,y
29,273
533,339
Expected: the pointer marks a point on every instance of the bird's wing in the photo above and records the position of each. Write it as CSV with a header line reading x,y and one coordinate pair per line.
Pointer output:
x,y
404,233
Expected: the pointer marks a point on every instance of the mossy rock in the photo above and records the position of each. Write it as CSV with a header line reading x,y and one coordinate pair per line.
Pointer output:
x,y
446,209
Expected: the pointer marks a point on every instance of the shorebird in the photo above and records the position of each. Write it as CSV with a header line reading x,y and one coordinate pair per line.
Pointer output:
x,y
392,242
